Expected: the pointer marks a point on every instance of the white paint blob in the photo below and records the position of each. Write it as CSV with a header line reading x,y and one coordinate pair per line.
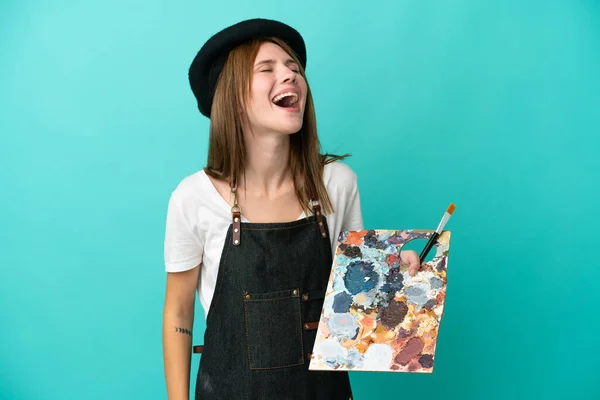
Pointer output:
x,y
378,357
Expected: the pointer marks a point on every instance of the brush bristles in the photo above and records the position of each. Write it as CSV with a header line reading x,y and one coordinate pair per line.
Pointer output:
x,y
451,208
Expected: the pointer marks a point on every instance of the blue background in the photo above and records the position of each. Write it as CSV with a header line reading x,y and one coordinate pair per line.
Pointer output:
x,y
491,105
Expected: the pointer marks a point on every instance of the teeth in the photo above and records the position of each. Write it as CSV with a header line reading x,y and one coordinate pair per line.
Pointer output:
x,y
278,98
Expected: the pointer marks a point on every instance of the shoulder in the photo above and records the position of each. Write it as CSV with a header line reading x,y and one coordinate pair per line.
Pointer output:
x,y
338,175
193,193
190,187
342,187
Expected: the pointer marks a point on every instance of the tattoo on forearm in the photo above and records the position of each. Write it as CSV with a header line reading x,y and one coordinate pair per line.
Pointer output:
x,y
183,330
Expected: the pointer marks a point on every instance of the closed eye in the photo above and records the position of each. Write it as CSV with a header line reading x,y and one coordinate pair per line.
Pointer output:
x,y
291,64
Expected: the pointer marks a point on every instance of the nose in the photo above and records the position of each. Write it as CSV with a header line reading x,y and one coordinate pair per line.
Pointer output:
x,y
288,76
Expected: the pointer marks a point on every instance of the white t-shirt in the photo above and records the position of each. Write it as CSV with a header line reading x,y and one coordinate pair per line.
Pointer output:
x,y
198,219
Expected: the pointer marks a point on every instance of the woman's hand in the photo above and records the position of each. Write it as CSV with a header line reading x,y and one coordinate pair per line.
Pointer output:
x,y
410,258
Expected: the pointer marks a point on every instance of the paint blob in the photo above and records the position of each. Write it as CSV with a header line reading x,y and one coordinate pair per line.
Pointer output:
x,y
343,326
360,277
378,357
412,349
393,314
352,252
416,294
426,361
436,282
342,302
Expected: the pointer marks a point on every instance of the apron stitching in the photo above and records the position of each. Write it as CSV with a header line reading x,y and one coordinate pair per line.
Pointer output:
x,y
283,366
277,298
247,335
273,229
278,228
248,339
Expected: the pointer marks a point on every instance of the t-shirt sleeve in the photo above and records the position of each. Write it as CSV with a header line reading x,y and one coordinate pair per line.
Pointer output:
x,y
183,245
353,220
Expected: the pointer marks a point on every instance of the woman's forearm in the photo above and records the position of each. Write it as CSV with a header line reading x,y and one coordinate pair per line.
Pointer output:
x,y
177,344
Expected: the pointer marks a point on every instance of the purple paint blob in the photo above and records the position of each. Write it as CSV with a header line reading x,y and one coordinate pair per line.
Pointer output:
x,y
412,349
426,361
403,333
430,304
396,238
442,265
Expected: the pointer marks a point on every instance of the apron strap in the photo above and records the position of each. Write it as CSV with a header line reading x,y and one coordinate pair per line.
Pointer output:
x,y
236,216
317,212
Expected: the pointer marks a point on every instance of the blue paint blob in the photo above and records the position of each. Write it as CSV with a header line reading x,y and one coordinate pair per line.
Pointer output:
x,y
436,282
355,358
360,277
393,282
416,295
343,326
414,291
430,304
371,239
342,302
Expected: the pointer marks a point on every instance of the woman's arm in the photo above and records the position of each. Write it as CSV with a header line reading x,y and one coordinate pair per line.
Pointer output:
x,y
178,321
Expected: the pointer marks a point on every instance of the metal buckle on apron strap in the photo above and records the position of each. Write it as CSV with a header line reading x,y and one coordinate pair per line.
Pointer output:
x,y
319,215
236,215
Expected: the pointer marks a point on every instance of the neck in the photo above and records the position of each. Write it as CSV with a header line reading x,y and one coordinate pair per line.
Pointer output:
x,y
267,164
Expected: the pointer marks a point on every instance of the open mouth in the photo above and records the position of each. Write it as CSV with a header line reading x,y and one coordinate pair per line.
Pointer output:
x,y
286,100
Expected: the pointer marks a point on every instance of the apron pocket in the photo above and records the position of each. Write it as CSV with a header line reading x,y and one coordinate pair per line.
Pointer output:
x,y
274,329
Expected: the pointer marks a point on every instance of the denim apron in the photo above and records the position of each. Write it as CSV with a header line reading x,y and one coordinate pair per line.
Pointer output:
x,y
262,321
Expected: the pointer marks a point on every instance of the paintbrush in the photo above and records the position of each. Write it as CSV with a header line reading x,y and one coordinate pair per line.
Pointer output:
x,y
437,232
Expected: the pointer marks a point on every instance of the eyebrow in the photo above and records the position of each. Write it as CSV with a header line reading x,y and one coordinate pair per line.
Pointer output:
x,y
263,62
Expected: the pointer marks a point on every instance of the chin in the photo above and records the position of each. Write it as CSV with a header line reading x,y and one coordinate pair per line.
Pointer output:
x,y
292,130
289,128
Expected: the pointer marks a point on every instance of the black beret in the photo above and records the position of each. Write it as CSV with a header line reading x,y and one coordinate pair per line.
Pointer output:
x,y
208,63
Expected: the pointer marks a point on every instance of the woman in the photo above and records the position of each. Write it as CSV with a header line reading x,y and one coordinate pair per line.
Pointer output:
x,y
254,232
